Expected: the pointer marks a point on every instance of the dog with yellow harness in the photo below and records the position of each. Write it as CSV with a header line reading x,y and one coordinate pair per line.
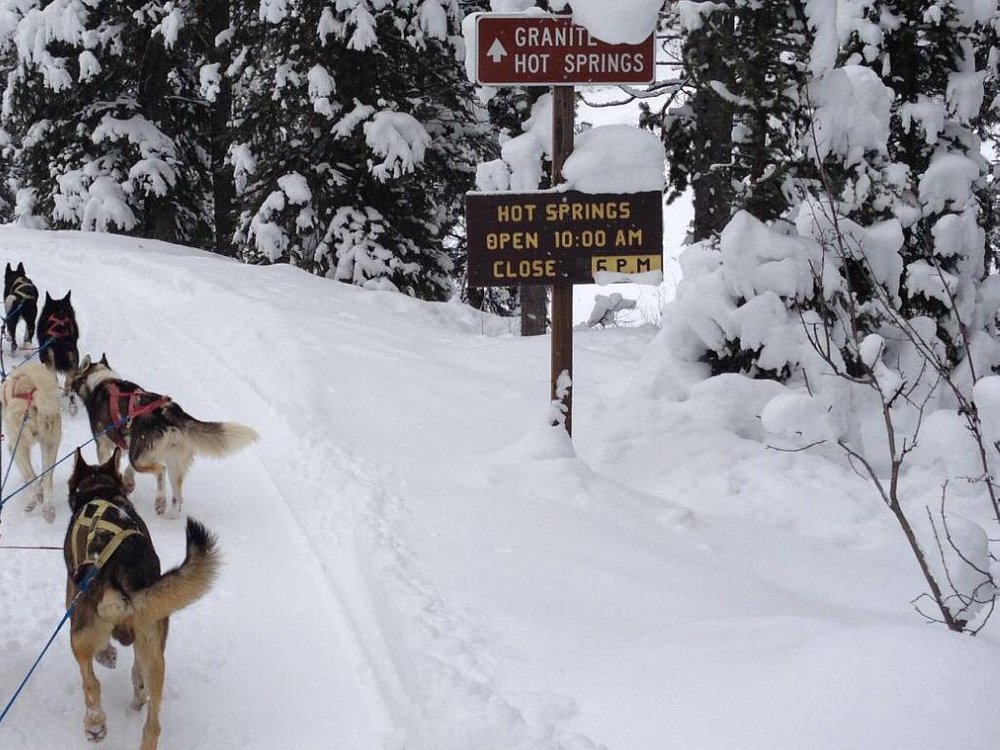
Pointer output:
x,y
30,400
112,565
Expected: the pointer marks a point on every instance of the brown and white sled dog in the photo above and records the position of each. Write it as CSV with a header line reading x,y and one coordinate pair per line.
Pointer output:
x,y
108,546
30,397
159,435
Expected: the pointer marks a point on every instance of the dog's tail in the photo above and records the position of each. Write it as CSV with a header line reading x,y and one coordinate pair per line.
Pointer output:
x,y
64,358
218,439
186,583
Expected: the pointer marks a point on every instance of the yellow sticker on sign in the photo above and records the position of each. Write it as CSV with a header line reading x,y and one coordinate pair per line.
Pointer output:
x,y
626,263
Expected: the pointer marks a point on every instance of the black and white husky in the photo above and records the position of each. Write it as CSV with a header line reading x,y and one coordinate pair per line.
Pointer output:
x,y
158,435
20,302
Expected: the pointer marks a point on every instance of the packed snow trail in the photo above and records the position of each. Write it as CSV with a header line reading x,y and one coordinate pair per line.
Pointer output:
x,y
266,659
315,579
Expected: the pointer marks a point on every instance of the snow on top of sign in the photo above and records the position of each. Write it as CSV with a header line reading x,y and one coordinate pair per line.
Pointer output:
x,y
618,22
615,159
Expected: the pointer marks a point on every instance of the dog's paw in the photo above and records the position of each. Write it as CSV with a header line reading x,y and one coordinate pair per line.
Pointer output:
x,y
107,657
95,726
29,507
139,700
49,512
72,407
160,505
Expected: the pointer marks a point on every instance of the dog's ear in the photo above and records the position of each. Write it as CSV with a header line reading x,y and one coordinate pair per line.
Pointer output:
x,y
85,364
8,269
20,267
104,359
66,298
79,464
111,465
47,297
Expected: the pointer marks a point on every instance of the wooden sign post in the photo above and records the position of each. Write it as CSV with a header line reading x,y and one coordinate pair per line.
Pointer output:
x,y
559,237
563,120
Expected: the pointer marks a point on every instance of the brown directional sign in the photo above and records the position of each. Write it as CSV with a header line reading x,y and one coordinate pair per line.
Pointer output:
x,y
561,237
519,50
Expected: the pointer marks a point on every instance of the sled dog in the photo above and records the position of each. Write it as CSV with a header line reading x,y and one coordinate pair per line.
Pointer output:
x,y
58,334
159,436
20,302
109,555
30,398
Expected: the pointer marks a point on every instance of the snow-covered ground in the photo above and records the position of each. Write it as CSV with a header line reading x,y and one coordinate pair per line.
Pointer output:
x,y
415,561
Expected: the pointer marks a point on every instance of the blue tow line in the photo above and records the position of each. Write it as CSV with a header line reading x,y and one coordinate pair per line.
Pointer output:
x,y
42,473
84,585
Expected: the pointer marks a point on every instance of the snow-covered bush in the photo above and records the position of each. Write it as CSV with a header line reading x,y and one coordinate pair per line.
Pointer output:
x,y
868,293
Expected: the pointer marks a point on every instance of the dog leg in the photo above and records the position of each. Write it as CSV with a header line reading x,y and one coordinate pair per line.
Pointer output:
x,y
23,460
94,722
139,694
149,652
50,449
161,474
105,447
107,657
177,466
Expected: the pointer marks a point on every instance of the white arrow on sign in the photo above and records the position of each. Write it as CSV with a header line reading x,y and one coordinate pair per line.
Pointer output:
x,y
496,51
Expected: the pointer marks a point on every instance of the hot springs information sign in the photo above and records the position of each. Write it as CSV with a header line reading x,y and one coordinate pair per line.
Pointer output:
x,y
561,237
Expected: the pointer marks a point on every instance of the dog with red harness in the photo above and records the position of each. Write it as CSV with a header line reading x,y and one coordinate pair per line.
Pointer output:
x,y
30,400
58,334
159,437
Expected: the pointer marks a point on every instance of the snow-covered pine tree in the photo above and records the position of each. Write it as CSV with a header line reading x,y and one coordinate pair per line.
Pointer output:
x,y
353,139
892,228
103,128
735,138
936,60
696,124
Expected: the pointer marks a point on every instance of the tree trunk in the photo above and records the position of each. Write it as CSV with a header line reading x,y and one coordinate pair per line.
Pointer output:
x,y
160,213
223,181
712,140
533,310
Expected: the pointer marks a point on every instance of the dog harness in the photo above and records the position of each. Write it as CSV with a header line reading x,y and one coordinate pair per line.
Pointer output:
x,y
28,395
23,289
94,539
136,402
58,328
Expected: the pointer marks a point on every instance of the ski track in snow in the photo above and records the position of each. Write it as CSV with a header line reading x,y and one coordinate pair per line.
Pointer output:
x,y
414,663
